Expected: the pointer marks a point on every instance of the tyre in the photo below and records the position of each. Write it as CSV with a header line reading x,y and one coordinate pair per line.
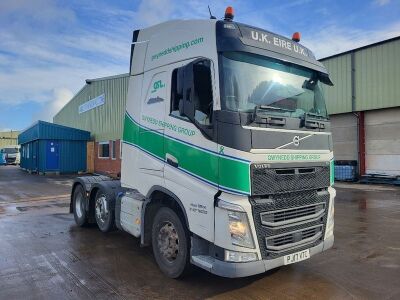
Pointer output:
x,y
171,243
104,215
78,206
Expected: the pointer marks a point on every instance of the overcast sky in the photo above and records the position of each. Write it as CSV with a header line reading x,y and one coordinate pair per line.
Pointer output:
x,y
48,48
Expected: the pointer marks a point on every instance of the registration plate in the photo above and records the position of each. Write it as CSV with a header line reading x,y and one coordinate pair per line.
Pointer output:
x,y
296,257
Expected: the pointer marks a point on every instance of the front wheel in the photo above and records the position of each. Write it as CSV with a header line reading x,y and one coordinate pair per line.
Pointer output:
x,y
170,241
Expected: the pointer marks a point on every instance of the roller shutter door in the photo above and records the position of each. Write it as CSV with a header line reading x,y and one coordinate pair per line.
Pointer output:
x,y
382,141
344,135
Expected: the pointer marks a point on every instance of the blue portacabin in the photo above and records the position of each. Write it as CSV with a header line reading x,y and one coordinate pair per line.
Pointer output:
x,y
48,147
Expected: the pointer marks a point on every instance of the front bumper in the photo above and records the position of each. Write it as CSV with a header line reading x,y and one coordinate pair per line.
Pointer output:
x,y
232,270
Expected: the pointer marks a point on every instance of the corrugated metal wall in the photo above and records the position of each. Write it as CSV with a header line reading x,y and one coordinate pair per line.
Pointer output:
x,y
104,122
8,138
376,76
338,97
72,158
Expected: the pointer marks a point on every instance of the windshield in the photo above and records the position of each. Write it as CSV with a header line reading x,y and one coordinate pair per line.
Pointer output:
x,y
9,150
251,81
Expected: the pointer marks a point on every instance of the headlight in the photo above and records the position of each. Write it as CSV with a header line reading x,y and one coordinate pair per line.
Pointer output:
x,y
238,225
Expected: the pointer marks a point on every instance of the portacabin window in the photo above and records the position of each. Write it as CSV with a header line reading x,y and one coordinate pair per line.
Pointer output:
x,y
104,149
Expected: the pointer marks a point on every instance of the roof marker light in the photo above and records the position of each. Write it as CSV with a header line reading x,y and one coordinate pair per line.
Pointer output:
x,y
229,13
296,36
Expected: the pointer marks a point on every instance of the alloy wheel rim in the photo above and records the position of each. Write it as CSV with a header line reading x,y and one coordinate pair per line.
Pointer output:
x,y
168,241
101,212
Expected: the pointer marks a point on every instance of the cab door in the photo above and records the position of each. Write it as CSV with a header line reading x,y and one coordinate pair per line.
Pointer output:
x,y
191,169
151,131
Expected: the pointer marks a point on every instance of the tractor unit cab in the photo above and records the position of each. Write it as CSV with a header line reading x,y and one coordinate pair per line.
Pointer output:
x,y
227,150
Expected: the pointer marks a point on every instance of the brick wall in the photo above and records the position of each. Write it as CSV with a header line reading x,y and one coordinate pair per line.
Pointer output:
x,y
108,166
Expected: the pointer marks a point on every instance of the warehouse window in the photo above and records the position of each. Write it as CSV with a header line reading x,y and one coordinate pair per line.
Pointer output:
x,y
114,149
104,150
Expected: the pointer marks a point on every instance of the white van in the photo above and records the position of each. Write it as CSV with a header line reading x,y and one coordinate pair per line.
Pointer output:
x,y
12,154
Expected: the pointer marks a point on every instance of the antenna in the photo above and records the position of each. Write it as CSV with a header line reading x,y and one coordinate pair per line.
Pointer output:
x,y
211,15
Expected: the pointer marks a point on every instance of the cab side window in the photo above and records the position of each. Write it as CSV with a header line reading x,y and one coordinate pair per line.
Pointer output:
x,y
193,83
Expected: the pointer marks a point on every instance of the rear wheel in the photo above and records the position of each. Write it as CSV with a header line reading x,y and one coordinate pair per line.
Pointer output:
x,y
170,240
104,215
78,206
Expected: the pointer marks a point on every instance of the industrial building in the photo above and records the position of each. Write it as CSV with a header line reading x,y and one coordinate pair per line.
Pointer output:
x,y
51,148
8,138
99,108
364,107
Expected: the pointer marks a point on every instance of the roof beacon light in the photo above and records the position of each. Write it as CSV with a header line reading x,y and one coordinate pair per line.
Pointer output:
x,y
229,13
296,37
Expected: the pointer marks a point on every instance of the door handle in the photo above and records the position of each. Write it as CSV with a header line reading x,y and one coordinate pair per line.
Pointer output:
x,y
171,160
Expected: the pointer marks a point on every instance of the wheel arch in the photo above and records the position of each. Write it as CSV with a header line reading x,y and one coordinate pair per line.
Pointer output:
x,y
157,197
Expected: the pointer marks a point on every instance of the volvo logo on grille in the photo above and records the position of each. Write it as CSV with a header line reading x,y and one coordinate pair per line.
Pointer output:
x,y
261,166
296,140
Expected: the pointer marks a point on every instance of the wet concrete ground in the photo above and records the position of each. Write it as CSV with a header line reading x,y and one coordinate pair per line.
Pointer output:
x,y
43,255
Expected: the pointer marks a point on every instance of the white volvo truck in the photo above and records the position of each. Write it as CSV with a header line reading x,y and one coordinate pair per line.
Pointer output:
x,y
227,151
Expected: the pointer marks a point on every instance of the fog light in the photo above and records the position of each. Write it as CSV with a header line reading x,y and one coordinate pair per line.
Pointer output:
x,y
233,256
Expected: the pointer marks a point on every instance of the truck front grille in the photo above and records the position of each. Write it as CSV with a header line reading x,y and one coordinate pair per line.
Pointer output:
x,y
291,211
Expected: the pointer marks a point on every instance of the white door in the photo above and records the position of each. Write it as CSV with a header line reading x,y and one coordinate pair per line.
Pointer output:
x,y
382,141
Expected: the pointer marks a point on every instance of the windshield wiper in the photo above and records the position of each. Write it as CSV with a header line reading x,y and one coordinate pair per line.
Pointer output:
x,y
315,115
272,119
314,121
273,108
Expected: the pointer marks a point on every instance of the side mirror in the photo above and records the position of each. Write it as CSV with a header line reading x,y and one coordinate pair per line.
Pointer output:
x,y
192,86
187,93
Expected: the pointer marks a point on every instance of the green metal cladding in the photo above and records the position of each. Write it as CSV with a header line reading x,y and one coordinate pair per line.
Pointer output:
x,y
104,122
376,78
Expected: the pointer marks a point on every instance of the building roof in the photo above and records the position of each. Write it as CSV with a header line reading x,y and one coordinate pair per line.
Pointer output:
x,y
88,81
49,131
361,48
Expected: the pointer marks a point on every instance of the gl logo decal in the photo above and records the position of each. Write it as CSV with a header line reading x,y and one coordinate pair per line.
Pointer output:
x,y
296,140
157,85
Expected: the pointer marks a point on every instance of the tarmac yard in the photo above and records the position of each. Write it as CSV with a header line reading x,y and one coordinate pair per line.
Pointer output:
x,y
44,255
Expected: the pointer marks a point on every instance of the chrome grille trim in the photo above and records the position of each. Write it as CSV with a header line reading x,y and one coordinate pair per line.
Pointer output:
x,y
293,215
288,241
